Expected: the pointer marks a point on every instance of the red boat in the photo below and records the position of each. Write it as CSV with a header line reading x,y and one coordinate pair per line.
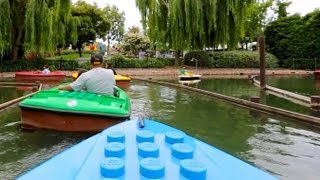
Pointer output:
x,y
316,74
38,75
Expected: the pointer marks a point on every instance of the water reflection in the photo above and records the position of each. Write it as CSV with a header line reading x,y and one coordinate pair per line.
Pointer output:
x,y
21,150
274,144
190,82
285,150
301,84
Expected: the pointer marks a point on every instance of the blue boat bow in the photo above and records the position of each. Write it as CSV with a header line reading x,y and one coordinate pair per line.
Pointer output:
x,y
156,151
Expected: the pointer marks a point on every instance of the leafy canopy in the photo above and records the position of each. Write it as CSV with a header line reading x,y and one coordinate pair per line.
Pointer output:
x,y
93,22
193,24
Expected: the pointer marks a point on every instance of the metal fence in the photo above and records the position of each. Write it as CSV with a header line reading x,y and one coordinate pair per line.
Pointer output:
x,y
295,63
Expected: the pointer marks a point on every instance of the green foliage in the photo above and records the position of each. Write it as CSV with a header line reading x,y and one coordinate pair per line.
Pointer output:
x,y
26,65
5,27
69,56
301,63
93,22
193,24
229,59
282,8
66,52
48,24
120,61
118,57
255,20
134,41
294,37
116,19
281,36
201,56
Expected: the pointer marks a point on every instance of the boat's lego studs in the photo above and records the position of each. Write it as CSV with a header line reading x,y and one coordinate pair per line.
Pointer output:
x,y
172,137
127,152
112,167
145,136
150,165
193,169
116,136
152,168
182,151
148,149
114,149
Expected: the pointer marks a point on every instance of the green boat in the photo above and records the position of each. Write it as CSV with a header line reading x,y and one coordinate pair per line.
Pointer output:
x,y
74,111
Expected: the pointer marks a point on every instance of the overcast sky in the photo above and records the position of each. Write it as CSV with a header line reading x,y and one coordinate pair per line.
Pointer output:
x,y
133,16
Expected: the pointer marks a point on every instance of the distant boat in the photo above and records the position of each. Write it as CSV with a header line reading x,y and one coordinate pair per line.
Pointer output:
x,y
189,76
122,81
38,75
140,150
74,111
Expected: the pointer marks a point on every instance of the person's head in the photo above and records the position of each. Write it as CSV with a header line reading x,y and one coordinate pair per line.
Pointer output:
x,y
96,59
45,66
80,72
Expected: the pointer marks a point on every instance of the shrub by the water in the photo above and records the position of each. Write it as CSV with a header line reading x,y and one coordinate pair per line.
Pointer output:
x,y
229,59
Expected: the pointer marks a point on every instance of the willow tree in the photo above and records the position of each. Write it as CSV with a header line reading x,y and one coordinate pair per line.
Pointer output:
x,y
35,26
193,24
5,27
48,25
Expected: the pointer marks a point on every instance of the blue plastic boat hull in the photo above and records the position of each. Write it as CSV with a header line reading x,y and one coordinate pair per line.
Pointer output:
x,y
126,151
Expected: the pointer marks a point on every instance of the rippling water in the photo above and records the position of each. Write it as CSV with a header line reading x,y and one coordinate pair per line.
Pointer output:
x,y
287,149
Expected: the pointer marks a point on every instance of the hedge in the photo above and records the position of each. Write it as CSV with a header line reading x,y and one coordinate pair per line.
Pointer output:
x,y
118,62
229,59
29,65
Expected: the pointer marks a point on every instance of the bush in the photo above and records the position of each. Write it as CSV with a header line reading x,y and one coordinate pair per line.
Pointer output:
x,y
229,59
201,56
120,61
27,65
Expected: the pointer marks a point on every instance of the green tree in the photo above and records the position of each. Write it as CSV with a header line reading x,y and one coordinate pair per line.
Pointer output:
x,y
134,41
5,27
255,21
294,37
38,26
308,38
281,34
281,8
93,23
116,19
47,24
193,24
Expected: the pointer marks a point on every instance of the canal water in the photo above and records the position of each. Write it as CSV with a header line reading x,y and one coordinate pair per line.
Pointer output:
x,y
285,148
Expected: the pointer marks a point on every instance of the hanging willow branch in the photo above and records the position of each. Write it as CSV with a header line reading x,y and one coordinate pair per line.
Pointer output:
x,y
5,27
193,24
47,24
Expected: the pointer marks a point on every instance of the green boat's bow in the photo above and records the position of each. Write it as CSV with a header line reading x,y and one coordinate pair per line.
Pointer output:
x,y
80,102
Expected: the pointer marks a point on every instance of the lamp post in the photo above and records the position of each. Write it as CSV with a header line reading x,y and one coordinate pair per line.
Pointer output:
x,y
194,59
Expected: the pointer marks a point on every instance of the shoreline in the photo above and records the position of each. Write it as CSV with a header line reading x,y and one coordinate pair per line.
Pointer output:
x,y
204,72
172,72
